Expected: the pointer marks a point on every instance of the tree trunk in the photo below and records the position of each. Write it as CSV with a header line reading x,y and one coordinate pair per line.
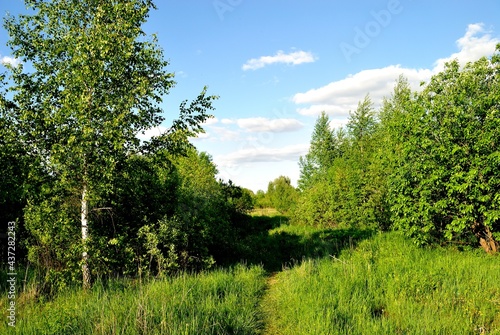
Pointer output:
x,y
486,239
85,215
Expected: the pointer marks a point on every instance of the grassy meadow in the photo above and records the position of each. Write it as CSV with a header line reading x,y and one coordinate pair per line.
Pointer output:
x,y
218,302
386,285
296,280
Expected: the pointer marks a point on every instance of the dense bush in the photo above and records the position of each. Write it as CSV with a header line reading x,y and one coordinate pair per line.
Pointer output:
x,y
427,163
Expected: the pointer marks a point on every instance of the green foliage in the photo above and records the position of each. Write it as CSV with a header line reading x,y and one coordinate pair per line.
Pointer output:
x,y
12,163
240,198
261,200
144,192
323,149
428,164
173,244
96,82
362,123
88,83
347,191
447,183
14,169
282,194
92,84
203,205
315,207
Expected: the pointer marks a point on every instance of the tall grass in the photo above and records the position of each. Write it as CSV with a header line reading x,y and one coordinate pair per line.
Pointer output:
x,y
333,282
219,302
388,286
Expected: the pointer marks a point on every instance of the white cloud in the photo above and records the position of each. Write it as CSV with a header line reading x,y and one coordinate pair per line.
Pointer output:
x,y
224,134
294,58
149,133
227,121
261,124
201,136
181,74
6,60
339,97
211,121
333,110
263,154
475,44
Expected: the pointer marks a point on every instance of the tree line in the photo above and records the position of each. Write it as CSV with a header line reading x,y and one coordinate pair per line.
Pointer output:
x,y
91,199
426,163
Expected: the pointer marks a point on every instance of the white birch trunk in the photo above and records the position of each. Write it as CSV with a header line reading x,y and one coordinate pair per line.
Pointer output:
x,y
85,215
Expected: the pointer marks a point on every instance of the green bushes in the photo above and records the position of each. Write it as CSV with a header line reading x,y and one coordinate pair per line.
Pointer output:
x,y
163,214
426,163
447,181
347,189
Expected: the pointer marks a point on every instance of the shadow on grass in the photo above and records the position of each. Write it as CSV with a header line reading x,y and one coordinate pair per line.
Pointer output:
x,y
289,245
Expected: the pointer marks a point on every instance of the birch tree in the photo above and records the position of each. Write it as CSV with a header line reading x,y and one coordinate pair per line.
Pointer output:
x,y
90,80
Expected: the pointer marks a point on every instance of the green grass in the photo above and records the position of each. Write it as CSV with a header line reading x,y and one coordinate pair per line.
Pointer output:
x,y
388,286
318,281
286,245
269,212
218,302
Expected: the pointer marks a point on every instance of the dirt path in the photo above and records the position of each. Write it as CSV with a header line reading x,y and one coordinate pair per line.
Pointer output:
x,y
266,305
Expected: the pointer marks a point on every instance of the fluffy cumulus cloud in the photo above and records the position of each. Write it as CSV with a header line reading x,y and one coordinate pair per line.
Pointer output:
x,y
211,121
339,97
233,129
261,124
6,60
227,121
476,43
262,154
223,134
293,58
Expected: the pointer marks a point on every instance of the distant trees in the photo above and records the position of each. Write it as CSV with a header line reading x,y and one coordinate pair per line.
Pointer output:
x,y
261,200
242,199
339,193
322,151
282,194
427,163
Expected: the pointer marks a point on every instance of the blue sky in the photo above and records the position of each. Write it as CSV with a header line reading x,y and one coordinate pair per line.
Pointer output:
x,y
277,64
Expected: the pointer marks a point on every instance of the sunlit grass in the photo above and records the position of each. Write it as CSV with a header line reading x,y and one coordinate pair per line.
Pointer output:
x,y
219,302
388,286
331,282
265,212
